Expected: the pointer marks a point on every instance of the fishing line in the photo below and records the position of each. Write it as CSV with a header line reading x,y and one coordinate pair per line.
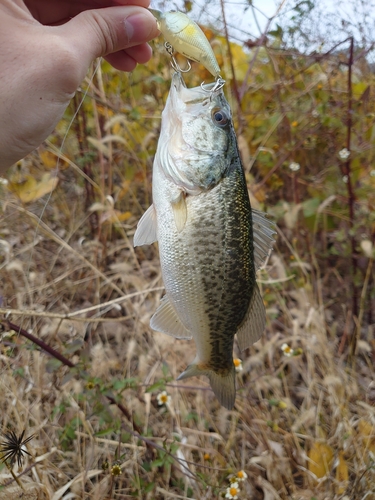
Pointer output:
x,y
58,159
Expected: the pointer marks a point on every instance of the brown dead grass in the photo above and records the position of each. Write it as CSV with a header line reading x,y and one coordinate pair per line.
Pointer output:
x,y
92,299
284,404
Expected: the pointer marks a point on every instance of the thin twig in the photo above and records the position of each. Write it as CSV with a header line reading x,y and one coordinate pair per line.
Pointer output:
x,y
351,194
260,42
230,55
73,315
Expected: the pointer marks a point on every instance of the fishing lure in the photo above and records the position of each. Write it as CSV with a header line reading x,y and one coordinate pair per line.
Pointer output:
x,y
187,38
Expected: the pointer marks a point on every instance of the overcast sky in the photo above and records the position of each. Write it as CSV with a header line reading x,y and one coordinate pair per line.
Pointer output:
x,y
239,15
331,22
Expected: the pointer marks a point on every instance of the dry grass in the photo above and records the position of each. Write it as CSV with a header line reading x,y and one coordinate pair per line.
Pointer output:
x,y
91,299
284,404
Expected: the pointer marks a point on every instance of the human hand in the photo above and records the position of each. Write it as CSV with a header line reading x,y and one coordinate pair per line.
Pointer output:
x,y
46,49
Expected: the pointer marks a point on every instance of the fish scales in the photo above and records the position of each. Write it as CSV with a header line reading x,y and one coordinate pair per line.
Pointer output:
x,y
202,218
201,270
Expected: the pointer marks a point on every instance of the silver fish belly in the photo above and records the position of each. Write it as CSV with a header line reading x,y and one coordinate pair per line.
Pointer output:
x,y
209,252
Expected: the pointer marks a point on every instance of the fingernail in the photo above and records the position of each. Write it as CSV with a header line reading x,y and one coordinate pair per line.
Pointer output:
x,y
140,27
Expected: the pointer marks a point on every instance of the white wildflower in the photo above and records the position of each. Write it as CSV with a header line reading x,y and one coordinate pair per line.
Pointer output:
x,y
345,179
241,475
238,364
344,154
287,350
163,398
294,167
232,491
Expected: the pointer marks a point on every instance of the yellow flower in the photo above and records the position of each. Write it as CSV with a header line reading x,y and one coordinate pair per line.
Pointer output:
x,y
241,475
282,405
287,350
232,491
163,398
238,364
294,124
116,470
206,456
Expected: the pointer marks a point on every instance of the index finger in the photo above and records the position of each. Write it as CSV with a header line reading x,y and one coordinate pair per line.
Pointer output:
x,y
57,12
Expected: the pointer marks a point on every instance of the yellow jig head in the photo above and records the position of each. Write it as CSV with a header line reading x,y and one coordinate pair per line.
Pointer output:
x,y
186,38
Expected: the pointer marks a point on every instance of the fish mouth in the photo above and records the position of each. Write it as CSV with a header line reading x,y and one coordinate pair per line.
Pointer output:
x,y
194,94
178,82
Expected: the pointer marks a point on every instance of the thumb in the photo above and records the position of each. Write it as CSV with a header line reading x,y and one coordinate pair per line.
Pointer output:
x,y
99,32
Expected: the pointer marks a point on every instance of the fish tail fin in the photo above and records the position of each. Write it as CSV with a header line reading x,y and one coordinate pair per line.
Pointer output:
x,y
223,384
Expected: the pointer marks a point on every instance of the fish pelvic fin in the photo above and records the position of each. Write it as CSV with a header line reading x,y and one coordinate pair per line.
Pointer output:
x,y
223,384
167,321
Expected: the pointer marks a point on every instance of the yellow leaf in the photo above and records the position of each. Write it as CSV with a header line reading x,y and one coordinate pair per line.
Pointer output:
x,y
367,432
321,457
359,88
342,474
48,159
113,216
31,190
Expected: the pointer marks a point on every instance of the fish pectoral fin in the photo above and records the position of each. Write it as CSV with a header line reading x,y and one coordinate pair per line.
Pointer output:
x,y
179,211
253,325
223,385
145,233
263,231
166,320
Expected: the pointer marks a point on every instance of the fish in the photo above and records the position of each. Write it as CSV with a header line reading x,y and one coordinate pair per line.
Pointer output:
x,y
211,241
187,38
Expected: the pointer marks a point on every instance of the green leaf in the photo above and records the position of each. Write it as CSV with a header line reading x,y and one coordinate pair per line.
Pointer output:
x,y
125,383
104,432
159,385
74,346
310,207
277,33
52,365
149,487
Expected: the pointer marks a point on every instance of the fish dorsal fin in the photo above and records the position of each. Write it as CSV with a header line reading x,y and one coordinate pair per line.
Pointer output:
x,y
145,233
166,320
253,325
179,211
263,231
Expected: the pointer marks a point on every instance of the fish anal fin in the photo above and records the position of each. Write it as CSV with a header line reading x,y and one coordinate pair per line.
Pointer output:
x,y
263,231
222,384
145,233
253,325
179,211
166,320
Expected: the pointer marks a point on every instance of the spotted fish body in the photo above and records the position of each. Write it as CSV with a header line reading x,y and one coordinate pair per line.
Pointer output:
x,y
209,252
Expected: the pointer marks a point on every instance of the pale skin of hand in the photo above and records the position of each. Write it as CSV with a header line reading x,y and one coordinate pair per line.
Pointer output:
x,y
47,47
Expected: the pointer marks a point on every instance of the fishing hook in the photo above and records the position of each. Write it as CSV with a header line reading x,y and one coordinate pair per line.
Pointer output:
x,y
174,63
218,85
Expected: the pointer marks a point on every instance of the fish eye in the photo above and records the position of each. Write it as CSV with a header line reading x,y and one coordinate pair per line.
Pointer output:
x,y
220,117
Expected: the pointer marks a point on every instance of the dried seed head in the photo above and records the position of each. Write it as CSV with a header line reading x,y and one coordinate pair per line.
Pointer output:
x,y
13,449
